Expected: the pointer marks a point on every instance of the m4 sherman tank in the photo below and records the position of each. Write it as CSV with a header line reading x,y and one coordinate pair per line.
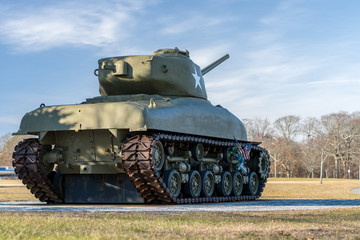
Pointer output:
x,y
152,136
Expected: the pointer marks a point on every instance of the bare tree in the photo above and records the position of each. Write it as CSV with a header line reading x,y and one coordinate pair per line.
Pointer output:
x,y
310,159
353,143
288,128
343,133
8,149
259,129
330,145
3,139
310,128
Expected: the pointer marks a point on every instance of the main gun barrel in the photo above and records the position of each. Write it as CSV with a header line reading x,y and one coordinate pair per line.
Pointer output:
x,y
208,68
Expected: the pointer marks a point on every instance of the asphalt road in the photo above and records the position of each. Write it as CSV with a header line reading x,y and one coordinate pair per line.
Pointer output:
x,y
259,205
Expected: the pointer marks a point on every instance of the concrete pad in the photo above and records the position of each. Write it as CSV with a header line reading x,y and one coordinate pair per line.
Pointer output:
x,y
246,206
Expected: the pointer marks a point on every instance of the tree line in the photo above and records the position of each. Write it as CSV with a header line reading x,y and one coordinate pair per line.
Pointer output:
x,y
328,146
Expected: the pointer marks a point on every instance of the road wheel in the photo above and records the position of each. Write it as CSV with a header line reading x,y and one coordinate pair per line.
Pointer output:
x,y
252,187
224,188
193,187
238,183
173,182
208,183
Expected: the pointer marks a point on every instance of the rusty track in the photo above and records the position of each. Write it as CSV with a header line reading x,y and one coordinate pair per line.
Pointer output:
x,y
137,163
27,167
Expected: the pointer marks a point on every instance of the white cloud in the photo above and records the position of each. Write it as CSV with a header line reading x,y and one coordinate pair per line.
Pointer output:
x,y
191,22
337,81
288,14
95,23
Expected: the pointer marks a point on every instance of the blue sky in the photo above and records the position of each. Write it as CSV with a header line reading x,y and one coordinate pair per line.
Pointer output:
x,y
286,57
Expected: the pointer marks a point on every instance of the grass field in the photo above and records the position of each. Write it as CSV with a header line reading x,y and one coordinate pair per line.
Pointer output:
x,y
310,188
320,224
341,223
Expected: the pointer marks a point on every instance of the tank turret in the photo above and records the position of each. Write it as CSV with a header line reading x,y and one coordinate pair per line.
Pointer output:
x,y
167,72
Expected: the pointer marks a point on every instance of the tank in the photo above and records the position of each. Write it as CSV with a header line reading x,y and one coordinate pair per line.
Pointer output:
x,y
150,137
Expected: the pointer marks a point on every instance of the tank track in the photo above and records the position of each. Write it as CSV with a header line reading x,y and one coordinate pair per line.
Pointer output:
x,y
27,167
137,162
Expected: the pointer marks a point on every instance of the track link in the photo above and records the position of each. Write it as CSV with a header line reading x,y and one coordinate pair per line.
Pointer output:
x,y
137,162
27,167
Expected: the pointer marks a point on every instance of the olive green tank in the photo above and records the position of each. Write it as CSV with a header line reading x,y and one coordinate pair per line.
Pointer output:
x,y
152,136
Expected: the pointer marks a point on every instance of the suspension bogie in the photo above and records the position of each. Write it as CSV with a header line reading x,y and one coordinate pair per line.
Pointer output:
x,y
205,166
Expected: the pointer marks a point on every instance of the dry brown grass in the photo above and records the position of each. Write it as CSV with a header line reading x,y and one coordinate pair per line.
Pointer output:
x,y
311,188
14,190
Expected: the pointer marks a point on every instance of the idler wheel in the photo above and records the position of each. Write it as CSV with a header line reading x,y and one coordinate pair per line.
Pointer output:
x,y
263,165
224,188
158,155
172,179
252,186
193,187
237,183
208,183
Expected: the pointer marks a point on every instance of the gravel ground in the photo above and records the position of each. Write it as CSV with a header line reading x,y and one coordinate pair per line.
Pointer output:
x,y
259,205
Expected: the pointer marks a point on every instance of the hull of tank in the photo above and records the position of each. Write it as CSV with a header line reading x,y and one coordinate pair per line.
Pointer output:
x,y
89,137
137,113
